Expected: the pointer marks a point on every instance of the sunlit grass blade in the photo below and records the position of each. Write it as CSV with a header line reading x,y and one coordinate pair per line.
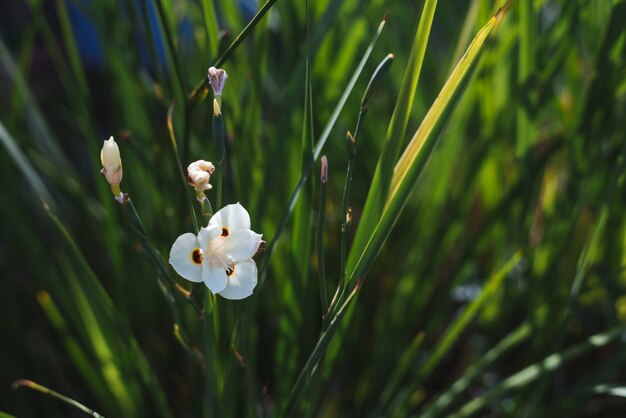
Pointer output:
x,y
46,391
395,133
421,144
445,343
102,322
416,154
445,399
491,286
531,373
73,347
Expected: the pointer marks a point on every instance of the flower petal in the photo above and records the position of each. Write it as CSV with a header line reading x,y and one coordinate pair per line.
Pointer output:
x,y
240,245
242,281
232,217
214,278
206,235
186,257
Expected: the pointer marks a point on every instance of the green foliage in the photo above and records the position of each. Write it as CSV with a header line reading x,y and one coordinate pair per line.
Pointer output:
x,y
466,257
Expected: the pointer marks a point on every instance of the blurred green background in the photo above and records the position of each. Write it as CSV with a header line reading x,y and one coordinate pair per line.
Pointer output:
x,y
530,161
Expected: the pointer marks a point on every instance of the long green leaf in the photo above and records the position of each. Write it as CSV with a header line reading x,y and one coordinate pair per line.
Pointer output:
x,y
395,134
533,372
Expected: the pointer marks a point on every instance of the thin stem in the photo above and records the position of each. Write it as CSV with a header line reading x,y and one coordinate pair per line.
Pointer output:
x,y
219,186
169,284
318,352
46,391
320,248
211,407
345,223
181,170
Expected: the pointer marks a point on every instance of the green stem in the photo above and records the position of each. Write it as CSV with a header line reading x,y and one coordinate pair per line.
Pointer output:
x,y
46,391
219,186
168,284
210,407
345,223
320,247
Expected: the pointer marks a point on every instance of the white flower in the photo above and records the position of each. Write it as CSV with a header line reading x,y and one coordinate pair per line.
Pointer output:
x,y
221,254
199,174
111,161
217,78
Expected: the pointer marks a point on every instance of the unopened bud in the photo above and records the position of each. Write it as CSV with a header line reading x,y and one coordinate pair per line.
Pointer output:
x,y
112,166
199,175
324,170
348,218
217,78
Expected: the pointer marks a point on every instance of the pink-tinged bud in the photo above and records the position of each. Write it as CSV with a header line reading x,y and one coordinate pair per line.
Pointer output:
x,y
217,78
111,161
112,167
199,175
324,170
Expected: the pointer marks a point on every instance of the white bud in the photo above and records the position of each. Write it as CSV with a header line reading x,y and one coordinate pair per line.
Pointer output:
x,y
111,162
217,79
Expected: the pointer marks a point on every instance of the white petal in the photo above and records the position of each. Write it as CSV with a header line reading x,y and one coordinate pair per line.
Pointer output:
x,y
207,234
186,257
232,217
214,278
241,282
240,245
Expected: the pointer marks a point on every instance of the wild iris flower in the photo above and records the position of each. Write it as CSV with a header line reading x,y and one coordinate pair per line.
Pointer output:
x,y
221,254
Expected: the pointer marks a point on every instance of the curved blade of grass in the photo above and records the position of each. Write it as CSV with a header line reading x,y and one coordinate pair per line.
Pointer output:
x,y
74,349
32,113
395,132
46,391
452,333
438,112
418,151
539,369
98,308
512,340
424,139
317,150
24,165
462,321
619,391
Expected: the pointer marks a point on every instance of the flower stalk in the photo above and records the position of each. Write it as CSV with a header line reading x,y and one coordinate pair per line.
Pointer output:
x,y
321,213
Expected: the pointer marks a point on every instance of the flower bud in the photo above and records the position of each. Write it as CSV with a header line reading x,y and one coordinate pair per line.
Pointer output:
x,y
324,170
217,78
198,176
112,165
